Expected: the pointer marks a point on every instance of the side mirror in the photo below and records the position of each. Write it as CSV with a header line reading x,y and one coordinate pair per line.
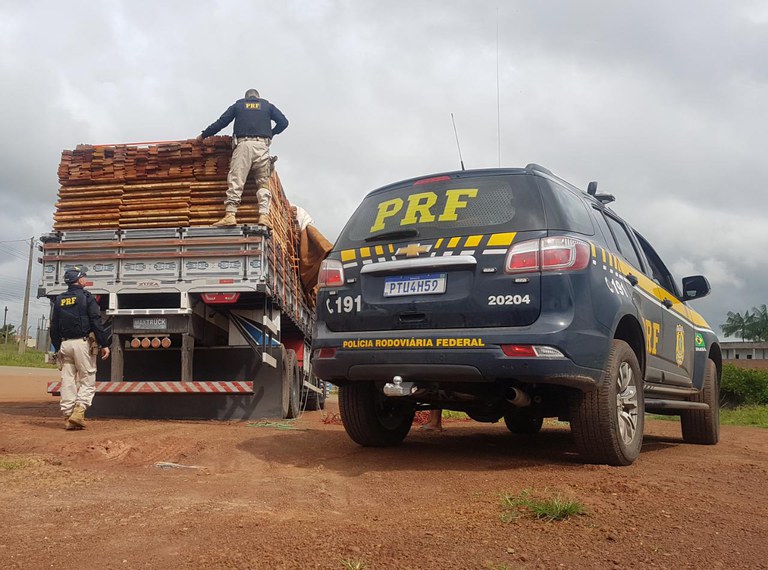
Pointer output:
x,y
695,287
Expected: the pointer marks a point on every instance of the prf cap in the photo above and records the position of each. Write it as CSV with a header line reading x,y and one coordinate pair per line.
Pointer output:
x,y
72,275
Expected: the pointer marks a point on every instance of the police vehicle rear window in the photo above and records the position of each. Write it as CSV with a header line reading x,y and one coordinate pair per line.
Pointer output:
x,y
444,206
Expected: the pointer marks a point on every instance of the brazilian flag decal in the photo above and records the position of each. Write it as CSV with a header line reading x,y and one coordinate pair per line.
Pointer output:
x,y
699,340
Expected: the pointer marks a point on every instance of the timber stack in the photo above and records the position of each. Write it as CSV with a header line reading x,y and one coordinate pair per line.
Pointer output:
x,y
173,184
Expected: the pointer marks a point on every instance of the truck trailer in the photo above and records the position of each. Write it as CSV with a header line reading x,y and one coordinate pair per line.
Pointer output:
x,y
207,322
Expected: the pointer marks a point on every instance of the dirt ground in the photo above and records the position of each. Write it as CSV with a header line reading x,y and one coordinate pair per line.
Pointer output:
x,y
309,497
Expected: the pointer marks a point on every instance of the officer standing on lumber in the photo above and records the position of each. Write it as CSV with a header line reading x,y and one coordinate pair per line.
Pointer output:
x,y
77,333
253,134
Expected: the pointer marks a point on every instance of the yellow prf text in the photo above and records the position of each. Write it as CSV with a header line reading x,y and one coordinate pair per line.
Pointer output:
x,y
419,210
652,331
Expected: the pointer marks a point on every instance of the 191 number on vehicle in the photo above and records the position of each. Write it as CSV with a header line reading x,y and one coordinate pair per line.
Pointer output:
x,y
509,300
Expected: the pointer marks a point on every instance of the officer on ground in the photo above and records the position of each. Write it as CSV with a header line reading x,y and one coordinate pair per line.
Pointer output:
x,y
253,132
76,333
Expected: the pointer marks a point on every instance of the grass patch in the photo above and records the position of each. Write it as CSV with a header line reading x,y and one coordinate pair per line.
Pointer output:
x,y
9,356
7,464
555,508
755,416
351,564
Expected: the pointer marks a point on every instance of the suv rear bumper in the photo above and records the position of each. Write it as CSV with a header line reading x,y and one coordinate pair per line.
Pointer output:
x,y
368,357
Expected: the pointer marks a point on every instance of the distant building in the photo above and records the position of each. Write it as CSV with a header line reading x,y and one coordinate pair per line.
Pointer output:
x,y
744,350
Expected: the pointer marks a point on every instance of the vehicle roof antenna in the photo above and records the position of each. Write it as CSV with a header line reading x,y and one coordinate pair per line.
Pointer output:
x,y
455,132
592,188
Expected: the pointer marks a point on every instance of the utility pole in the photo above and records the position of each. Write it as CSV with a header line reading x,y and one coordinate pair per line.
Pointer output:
x,y
25,316
5,324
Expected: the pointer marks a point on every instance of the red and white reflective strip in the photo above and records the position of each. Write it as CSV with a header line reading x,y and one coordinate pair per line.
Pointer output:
x,y
165,387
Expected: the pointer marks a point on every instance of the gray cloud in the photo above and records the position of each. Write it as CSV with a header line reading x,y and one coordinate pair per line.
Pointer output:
x,y
662,103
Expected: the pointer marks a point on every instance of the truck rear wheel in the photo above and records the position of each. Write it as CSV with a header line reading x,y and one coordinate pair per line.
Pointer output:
x,y
372,419
703,426
292,381
315,400
608,422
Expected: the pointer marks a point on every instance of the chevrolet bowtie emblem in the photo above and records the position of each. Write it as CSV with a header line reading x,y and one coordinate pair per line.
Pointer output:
x,y
412,250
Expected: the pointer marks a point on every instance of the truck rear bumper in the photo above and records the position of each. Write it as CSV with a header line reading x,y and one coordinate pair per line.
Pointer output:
x,y
165,387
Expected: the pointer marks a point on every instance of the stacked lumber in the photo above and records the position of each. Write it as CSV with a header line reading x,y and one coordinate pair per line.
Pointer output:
x,y
174,184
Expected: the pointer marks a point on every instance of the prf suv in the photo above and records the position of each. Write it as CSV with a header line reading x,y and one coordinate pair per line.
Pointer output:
x,y
510,293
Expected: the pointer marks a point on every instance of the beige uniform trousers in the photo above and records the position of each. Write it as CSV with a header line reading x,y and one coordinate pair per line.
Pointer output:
x,y
78,375
249,154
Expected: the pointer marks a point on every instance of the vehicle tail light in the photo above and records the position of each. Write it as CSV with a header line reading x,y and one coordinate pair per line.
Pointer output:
x,y
431,180
331,273
135,342
145,342
220,298
326,352
531,351
547,254
155,342
166,342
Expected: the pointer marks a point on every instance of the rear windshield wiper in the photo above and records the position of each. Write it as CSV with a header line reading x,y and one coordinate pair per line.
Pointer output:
x,y
394,235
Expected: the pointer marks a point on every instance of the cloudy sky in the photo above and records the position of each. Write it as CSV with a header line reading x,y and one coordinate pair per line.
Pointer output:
x,y
663,103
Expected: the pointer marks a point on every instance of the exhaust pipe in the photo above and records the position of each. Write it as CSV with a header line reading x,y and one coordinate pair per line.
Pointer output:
x,y
397,388
518,398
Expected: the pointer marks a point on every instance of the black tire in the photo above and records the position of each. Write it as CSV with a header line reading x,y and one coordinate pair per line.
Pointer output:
x,y
372,419
523,422
292,378
484,417
703,426
607,423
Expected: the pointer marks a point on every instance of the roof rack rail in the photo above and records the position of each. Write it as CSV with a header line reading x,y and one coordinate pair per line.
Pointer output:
x,y
605,198
534,166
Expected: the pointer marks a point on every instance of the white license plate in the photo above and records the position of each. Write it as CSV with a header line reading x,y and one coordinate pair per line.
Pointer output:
x,y
153,324
429,284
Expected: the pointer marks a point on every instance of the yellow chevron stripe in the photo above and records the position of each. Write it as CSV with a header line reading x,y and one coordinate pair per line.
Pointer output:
x,y
473,241
365,252
379,250
501,239
348,255
453,242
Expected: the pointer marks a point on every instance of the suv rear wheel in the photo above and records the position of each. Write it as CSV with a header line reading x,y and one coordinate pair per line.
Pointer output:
x,y
703,426
608,422
371,418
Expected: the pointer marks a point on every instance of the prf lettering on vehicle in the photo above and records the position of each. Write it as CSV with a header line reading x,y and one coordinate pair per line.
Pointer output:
x,y
423,208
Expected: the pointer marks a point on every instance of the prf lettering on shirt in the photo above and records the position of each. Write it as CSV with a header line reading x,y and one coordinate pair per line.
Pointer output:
x,y
67,301
253,105
421,208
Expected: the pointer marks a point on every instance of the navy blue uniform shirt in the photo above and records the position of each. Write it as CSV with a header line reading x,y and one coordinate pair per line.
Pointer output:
x,y
75,314
253,118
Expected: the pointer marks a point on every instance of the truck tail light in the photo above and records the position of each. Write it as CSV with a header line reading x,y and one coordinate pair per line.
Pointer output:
x,y
220,298
331,273
547,254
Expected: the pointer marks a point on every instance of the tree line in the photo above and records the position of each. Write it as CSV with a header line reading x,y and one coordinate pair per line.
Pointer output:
x,y
749,326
